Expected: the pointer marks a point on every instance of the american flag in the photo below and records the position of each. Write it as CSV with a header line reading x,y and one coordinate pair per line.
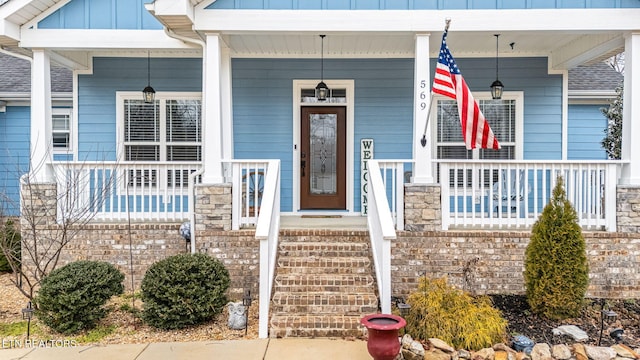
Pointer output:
x,y
449,82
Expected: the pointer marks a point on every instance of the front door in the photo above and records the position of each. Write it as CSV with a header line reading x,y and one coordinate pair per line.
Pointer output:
x,y
323,158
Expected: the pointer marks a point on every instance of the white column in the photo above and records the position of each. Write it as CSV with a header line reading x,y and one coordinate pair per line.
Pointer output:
x,y
212,119
423,166
41,141
226,104
631,111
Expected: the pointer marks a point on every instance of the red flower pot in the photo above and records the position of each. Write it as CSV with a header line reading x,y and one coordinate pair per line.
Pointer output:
x,y
383,343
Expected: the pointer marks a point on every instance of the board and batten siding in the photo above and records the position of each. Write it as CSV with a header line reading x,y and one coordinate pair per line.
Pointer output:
x,y
14,156
420,4
101,14
97,96
586,130
262,106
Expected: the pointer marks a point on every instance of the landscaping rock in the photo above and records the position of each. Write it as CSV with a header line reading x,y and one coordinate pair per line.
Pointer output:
x,y
561,352
600,352
411,349
625,351
486,354
503,347
575,332
464,354
580,352
436,354
541,351
522,343
439,344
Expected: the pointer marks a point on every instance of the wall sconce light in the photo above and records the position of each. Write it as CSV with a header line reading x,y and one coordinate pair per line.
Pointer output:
x,y
496,86
322,91
148,93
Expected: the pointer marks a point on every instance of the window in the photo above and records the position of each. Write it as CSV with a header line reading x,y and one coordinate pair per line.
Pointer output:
x,y
504,117
61,129
169,129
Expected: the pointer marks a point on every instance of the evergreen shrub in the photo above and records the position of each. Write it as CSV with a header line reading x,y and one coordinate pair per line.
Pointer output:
x,y
442,311
72,298
10,242
184,290
556,271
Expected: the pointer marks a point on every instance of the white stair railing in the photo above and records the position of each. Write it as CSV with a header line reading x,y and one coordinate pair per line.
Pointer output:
x,y
381,232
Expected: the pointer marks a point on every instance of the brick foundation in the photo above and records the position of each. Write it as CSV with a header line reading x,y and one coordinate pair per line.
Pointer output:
x,y
628,208
490,263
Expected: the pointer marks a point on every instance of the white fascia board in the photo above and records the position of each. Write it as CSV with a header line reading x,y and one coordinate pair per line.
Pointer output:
x,y
9,29
171,8
239,21
99,39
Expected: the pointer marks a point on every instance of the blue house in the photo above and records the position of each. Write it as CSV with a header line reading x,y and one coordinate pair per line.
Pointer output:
x,y
260,117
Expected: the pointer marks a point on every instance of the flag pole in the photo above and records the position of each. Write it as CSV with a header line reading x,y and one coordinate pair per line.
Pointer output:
x,y
423,141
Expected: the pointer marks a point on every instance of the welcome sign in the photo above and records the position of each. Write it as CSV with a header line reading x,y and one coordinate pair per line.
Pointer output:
x,y
366,153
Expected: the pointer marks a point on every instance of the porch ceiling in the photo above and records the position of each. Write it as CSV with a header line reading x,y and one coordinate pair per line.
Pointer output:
x,y
388,44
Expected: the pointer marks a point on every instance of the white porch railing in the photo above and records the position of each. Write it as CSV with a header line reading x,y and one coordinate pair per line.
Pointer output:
x,y
256,201
381,232
394,176
512,194
117,191
248,189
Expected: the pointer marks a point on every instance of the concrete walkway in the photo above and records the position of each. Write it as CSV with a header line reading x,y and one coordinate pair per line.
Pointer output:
x,y
261,349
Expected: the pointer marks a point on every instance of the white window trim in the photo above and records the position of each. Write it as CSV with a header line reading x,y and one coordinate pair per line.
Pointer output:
x,y
518,96
121,96
68,150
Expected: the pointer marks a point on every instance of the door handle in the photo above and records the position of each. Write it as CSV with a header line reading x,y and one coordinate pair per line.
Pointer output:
x,y
303,164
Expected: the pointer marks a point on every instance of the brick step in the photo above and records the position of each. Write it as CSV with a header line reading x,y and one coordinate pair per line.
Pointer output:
x,y
320,264
332,249
307,325
324,303
324,236
348,283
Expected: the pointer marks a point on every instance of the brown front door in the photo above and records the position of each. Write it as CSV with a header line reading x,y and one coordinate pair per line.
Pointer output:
x,y
323,158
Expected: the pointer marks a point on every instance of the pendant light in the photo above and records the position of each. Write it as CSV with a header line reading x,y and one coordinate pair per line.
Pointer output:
x,y
148,93
496,86
322,91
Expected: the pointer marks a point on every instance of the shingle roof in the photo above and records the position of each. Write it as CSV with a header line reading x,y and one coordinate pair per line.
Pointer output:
x,y
599,76
15,76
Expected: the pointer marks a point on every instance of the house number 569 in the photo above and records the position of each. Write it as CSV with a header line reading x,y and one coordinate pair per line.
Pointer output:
x,y
423,95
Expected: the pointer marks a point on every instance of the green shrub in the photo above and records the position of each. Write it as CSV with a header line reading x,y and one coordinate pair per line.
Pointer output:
x,y
72,297
556,271
9,246
184,290
452,315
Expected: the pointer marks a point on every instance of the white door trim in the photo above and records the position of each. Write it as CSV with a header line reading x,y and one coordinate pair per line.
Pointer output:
x,y
298,85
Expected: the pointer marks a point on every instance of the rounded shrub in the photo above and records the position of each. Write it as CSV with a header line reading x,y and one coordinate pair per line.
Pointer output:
x,y
439,310
556,271
72,297
184,290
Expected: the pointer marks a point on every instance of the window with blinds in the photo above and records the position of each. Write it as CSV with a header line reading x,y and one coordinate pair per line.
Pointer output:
x,y
502,117
166,130
61,129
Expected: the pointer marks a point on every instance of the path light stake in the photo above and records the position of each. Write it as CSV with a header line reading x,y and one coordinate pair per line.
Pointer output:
x,y
610,315
27,313
404,311
246,301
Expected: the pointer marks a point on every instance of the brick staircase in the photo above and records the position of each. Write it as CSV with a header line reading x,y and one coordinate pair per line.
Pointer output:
x,y
324,284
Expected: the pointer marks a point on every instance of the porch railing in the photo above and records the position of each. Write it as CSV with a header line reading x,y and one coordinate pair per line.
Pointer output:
x,y
394,176
117,191
256,202
512,194
381,232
